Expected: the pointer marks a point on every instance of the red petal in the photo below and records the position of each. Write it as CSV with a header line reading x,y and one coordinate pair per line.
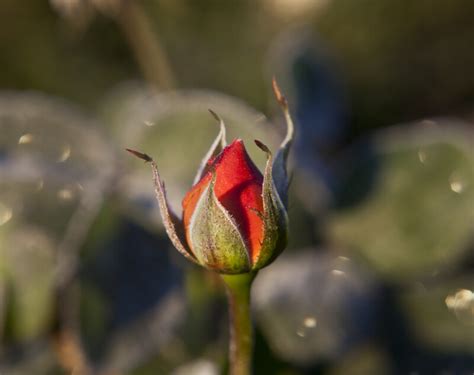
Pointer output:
x,y
239,189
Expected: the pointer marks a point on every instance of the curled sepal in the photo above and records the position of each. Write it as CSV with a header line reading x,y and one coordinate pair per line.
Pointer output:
x,y
279,173
173,226
274,217
216,147
215,238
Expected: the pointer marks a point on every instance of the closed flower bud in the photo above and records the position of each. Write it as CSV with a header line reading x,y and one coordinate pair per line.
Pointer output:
x,y
223,213
234,218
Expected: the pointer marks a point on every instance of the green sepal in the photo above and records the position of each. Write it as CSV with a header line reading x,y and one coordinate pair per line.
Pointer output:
x,y
215,238
173,225
275,218
279,173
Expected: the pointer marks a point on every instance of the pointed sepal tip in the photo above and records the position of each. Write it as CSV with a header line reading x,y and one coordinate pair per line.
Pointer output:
x,y
140,155
278,95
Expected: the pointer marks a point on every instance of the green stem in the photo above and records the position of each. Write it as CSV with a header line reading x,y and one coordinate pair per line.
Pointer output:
x,y
241,328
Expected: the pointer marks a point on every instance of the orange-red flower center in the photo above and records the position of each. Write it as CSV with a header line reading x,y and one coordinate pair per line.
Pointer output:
x,y
238,187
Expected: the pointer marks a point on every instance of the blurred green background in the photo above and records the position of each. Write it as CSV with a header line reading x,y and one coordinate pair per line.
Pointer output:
x,y
378,275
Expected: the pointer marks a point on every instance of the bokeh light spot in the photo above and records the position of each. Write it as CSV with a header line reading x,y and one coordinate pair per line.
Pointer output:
x,y
6,214
25,139
65,153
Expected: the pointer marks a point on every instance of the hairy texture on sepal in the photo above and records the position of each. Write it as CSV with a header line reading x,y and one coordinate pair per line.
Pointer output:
x,y
140,155
279,173
274,217
216,147
172,223
214,236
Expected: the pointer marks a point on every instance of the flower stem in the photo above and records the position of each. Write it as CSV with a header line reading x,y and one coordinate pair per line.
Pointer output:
x,y
241,328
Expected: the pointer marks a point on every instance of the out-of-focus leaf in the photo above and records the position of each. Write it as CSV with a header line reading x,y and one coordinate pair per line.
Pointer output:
x,y
151,334
312,307
54,168
27,257
133,308
417,219
442,314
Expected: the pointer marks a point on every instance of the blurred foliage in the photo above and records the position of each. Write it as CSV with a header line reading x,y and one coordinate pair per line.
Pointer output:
x,y
400,59
27,259
443,329
377,277
403,59
42,52
418,184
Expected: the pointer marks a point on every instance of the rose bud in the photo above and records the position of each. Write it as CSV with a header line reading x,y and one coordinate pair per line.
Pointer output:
x,y
234,218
